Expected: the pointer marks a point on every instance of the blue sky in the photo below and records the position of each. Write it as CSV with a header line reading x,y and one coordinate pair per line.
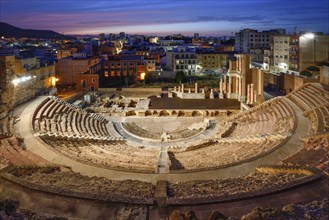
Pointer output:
x,y
207,17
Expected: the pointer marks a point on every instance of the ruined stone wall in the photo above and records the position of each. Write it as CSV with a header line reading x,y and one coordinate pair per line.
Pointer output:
x,y
44,77
293,82
24,91
6,87
324,75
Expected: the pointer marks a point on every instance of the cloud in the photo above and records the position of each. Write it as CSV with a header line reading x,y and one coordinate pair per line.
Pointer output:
x,y
255,18
91,15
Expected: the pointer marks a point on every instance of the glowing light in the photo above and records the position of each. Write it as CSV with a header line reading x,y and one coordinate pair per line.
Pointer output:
x,y
20,80
16,82
53,81
143,76
283,65
309,35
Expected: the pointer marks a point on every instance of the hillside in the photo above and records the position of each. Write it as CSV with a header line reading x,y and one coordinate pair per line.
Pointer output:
x,y
8,30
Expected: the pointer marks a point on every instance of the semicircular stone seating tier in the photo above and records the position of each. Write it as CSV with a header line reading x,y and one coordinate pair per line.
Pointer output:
x,y
313,100
91,139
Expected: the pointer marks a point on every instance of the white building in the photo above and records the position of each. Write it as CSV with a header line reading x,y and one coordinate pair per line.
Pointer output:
x,y
248,39
281,53
182,58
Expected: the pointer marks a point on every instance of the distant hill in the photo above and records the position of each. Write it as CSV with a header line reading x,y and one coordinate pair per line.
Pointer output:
x,y
8,30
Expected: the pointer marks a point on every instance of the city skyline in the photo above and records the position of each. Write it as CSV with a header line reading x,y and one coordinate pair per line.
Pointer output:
x,y
163,17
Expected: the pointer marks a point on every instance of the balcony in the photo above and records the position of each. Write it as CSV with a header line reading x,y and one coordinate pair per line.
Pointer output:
x,y
293,52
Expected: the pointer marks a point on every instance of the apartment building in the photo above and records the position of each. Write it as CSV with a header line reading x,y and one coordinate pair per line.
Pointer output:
x,y
62,53
182,58
68,68
248,39
293,54
122,71
212,60
281,53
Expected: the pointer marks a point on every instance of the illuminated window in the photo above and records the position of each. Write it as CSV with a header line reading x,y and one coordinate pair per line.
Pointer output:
x,y
106,74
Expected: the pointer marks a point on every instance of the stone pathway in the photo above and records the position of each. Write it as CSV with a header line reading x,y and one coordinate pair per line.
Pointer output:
x,y
163,165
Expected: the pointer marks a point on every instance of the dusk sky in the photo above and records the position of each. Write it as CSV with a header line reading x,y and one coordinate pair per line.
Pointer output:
x,y
207,17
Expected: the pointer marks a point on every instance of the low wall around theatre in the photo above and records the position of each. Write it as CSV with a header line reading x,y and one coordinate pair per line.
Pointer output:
x,y
155,90
187,95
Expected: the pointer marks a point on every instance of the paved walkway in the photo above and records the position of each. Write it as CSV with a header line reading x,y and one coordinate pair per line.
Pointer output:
x,y
37,146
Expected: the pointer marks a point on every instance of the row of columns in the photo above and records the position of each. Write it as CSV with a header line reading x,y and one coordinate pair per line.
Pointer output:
x,y
238,88
182,89
224,87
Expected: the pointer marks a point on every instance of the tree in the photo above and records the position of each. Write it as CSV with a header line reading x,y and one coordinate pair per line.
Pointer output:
x,y
180,77
313,68
306,73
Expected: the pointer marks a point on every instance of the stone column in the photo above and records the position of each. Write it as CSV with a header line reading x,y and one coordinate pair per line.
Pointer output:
x,y
229,84
237,85
182,88
221,85
211,93
196,87
248,94
221,88
224,85
252,93
240,86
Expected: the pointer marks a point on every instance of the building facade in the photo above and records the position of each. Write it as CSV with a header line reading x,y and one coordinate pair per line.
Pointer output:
x,y
244,83
248,39
87,82
122,71
182,58
67,69
280,51
212,61
23,79
292,54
